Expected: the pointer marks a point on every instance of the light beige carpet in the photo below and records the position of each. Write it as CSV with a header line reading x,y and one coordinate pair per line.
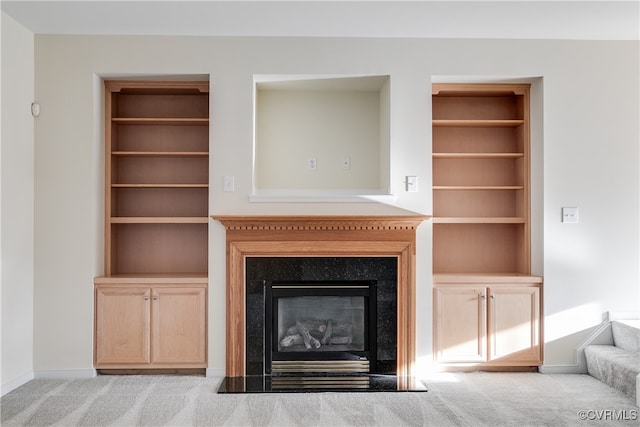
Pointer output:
x,y
472,399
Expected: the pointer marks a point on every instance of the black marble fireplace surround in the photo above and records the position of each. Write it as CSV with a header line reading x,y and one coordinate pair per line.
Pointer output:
x,y
380,270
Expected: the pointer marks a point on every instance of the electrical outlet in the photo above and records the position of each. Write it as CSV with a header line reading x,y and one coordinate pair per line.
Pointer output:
x,y
346,162
312,163
229,183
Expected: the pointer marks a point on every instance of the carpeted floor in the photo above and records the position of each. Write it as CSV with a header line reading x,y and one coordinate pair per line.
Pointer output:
x,y
471,399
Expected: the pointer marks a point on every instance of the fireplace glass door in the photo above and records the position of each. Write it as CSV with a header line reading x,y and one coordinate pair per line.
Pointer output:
x,y
317,327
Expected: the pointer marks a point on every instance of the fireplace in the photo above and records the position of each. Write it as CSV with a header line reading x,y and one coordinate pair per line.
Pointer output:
x,y
320,327
329,239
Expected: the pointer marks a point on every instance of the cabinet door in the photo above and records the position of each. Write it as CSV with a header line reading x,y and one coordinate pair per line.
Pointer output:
x,y
460,324
179,326
122,326
514,325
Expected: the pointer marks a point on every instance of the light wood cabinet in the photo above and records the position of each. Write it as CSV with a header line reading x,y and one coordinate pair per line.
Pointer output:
x,y
177,326
122,326
150,304
460,324
486,303
513,323
488,326
158,326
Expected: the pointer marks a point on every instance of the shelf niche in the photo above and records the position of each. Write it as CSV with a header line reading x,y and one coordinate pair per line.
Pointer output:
x,y
481,179
334,121
157,177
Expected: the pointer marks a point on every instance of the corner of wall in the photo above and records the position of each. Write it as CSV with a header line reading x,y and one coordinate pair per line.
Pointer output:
x,y
16,382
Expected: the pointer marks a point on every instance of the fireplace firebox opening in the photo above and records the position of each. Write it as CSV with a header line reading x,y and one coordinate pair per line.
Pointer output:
x,y
317,327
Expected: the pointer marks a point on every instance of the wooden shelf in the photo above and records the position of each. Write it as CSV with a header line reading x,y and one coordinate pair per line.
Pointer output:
x,y
172,279
478,155
477,187
479,220
160,87
160,185
477,123
159,220
486,278
161,153
167,121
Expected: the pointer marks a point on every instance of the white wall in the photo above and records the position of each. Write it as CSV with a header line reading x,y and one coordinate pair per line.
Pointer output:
x,y
17,202
588,123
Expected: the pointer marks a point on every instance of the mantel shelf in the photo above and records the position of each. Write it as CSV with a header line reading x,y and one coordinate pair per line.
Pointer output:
x,y
321,222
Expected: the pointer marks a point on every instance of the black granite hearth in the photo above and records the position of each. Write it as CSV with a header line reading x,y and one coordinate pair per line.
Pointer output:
x,y
319,384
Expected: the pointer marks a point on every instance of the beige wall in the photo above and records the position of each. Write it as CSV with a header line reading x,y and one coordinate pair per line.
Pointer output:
x,y
293,126
586,154
17,204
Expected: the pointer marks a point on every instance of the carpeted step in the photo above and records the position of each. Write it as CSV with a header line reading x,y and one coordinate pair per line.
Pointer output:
x,y
614,366
626,336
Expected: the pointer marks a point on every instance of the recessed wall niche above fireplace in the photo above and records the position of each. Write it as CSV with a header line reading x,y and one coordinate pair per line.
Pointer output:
x,y
321,137
330,237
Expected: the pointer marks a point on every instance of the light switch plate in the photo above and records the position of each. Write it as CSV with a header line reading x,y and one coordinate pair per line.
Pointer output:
x,y
411,183
570,215
229,183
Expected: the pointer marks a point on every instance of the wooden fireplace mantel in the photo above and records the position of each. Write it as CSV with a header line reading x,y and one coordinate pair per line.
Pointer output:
x,y
310,236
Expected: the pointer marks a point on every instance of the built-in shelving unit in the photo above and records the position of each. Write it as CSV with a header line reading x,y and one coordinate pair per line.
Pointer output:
x,y
156,226
483,290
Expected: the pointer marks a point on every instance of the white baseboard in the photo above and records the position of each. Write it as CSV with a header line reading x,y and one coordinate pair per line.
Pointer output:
x,y
561,369
66,373
17,382
214,373
623,315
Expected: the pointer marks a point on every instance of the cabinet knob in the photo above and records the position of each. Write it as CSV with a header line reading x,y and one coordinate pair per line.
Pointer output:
x,y
146,298
492,296
155,298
